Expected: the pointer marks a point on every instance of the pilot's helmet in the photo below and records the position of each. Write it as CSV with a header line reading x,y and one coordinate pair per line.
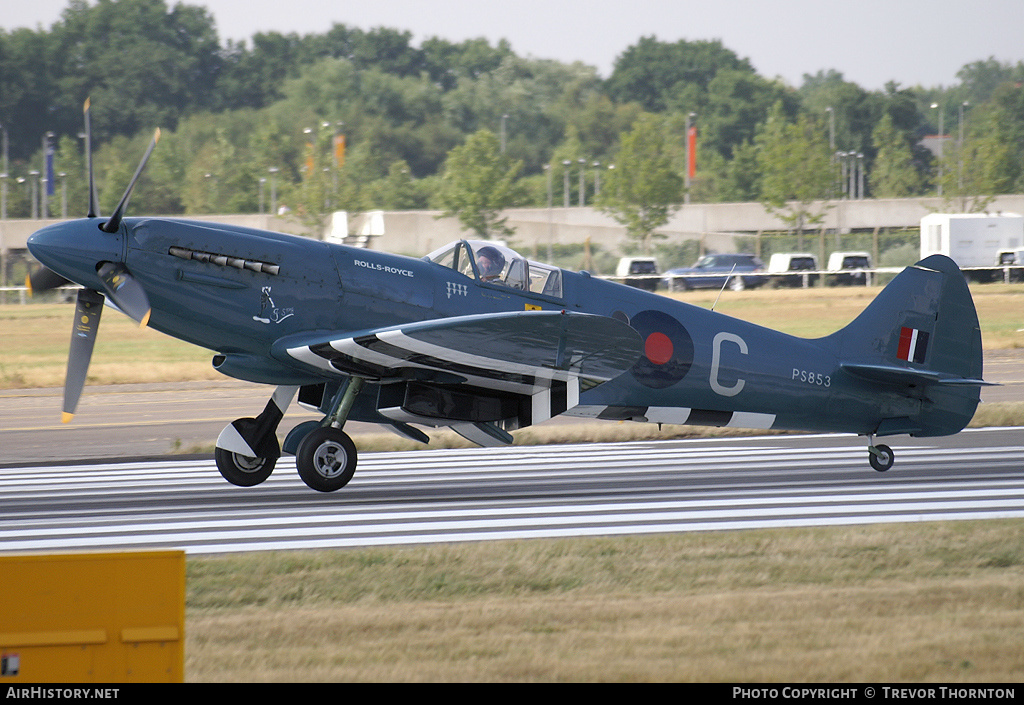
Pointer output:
x,y
490,262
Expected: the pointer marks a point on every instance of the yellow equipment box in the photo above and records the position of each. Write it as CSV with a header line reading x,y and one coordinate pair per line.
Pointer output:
x,y
92,617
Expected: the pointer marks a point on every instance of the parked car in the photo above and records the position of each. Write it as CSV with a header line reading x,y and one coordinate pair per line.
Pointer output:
x,y
791,269
1012,258
647,267
712,271
849,268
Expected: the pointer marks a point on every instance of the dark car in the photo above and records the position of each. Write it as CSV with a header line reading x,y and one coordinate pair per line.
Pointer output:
x,y
711,272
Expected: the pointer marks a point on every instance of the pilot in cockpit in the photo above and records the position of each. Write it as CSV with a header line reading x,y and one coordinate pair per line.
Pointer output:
x,y
490,263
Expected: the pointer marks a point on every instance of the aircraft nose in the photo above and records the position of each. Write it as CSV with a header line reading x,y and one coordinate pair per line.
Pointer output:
x,y
73,249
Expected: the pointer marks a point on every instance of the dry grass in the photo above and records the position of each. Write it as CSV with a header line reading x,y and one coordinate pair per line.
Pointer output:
x,y
929,602
35,348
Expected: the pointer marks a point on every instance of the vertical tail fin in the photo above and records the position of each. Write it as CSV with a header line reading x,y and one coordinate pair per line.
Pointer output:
x,y
920,338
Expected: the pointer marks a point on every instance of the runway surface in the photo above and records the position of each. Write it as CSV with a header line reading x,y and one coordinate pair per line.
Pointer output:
x,y
518,492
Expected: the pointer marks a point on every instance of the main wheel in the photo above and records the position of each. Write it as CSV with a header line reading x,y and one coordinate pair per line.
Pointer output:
x,y
241,470
326,460
884,458
737,284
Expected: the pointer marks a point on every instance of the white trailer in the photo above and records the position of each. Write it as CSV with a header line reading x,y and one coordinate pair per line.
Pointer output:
x,y
971,239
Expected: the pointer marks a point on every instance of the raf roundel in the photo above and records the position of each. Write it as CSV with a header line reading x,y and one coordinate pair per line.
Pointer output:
x,y
668,349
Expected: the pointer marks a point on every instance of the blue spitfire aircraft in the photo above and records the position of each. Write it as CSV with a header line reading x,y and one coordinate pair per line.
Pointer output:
x,y
479,339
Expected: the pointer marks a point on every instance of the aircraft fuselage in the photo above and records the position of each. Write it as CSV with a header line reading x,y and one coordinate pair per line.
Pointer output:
x,y
238,291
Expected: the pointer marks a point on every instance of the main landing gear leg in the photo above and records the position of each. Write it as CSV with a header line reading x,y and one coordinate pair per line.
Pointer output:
x,y
326,457
880,456
247,449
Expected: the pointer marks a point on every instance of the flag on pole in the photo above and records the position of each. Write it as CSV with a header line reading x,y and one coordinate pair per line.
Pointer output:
x,y
339,150
50,181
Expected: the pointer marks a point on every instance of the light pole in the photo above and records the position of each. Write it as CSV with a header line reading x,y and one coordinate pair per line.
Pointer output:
x,y
565,177
34,186
841,158
273,189
503,119
547,168
583,185
47,176
832,143
852,188
210,191
935,106
860,176
63,195
831,128
3,175
960,150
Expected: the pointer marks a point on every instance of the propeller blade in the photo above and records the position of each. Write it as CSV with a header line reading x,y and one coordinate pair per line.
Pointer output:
x,y
125,291
44,279
94,201
83,338
114,223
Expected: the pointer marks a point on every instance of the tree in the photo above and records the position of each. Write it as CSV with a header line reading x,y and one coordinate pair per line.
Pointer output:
x,y
735,180
164,63
895,174
653,73
735,104
26,88
990,160
398,190
643,191
796,169
980,79
853,112
478,183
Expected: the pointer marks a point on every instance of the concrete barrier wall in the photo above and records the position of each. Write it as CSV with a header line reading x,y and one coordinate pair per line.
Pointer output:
x,y
419,232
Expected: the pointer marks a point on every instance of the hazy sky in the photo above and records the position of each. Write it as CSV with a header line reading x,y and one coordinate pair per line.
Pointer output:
x,y
914,42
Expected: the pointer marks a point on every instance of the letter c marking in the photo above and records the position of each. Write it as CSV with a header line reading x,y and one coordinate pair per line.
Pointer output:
x,y
716,354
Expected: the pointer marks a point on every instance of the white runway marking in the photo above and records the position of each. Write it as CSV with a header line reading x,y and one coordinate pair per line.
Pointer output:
x,y
511,493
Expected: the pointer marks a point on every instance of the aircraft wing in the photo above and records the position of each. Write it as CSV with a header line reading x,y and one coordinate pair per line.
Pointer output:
x,y
542,357
513,351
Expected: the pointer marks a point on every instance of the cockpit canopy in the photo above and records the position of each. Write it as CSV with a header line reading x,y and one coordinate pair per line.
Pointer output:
x,y
492,263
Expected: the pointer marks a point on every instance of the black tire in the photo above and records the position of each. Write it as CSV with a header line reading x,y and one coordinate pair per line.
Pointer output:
x,y
241,470
326,460
884,460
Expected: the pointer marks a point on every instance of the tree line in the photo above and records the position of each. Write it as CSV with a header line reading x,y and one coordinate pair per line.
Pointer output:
x,y
356,119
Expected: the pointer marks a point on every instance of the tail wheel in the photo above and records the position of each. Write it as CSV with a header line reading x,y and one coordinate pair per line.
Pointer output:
x,y
242,470
881,457
326,459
